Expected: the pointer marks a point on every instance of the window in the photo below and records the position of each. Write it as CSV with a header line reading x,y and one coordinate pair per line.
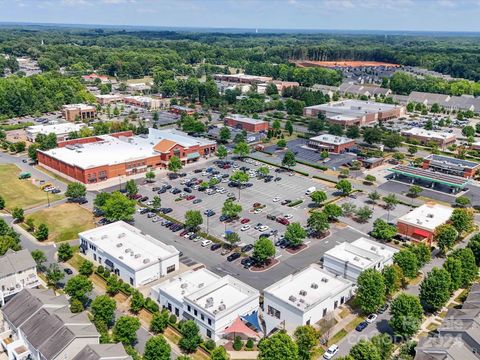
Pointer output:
x,y
189,308
324,312
169,307
209,334
273,312
177,312
195,312
131,281
95,257
209,321
335,304
202,317
342,299
170,269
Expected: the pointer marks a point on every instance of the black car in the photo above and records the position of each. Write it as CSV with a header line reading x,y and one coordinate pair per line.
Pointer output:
x,y
168,187
173,176
383,308
143,199
215,247
68,271
247,248
187,189
247,262
277,178
196,171
271,217
144,211
162,191
167,210
82,201
155,188
182,174
233,257
55,191
176,191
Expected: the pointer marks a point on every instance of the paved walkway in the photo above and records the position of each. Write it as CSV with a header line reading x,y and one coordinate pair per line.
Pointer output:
x,y
243,355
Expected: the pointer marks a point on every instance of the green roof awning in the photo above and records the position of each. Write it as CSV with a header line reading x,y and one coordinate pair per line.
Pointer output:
x,y
193,155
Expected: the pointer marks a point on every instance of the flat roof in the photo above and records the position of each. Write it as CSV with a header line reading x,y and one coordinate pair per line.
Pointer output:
x,y
189,282
317,283
57,129
144,99
128,245
78,106
429,133
245,119
353,107
454,162
332,139
436,177
427,216
362,253
223,295
111,150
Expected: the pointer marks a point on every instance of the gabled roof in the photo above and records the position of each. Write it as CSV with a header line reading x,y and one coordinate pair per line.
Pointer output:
x,y
164,145
15,261
103,352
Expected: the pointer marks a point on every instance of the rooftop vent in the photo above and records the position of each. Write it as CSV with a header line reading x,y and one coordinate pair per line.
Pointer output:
x,y
324,279
292,298
222,307
201,285
209,302
146,261
127,251
356,258
373,248
120,257
104,237
137,256
430,216
121,235
301,301
314,286
184,286
119,245
303,293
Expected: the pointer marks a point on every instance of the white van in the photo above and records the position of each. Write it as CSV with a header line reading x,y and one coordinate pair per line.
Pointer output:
x,y
310,190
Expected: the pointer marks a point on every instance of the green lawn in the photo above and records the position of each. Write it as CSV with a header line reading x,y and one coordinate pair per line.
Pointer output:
x,y
21,193
64,221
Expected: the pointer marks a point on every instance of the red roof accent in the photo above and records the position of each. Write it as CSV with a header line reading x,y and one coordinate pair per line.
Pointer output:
x,y
421,232
238,326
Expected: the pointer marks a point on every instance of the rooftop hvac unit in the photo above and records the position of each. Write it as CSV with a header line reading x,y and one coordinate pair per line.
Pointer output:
x,y
127,251
121,235
430,216
146,261
314,286
292,298
209,303
301,301
120,257
356,258
184,286
215,312
373,248
303,293
201,285
104,237
222,307
137,256
119,245
324,279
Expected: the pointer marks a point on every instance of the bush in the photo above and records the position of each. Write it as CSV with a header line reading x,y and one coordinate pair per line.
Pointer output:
x,y
151,305
250,344
238,343
210,344
100,269
295,203
172,319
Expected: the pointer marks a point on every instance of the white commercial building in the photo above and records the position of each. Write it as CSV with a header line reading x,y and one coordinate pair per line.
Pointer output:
x,y
62,131
350,259
135,257
213,302
304,298
424,136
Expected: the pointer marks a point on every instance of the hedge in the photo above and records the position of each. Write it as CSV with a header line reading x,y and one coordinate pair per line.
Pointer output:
x,y
280,166
151,305
295,203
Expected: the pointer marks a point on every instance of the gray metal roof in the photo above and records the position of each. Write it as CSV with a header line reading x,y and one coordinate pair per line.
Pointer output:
x,y
103,352
442,348
15,261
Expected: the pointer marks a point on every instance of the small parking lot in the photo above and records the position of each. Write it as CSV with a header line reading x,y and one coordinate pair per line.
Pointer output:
x,y
288,188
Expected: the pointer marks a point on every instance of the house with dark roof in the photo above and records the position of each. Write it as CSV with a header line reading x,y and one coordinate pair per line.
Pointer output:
x,y
38,325
18,270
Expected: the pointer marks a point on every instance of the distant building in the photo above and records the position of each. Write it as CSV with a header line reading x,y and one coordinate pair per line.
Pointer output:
x,y
138,87
451,165
304,298
281,85
243,78
246,123
133,256
108,98
420,223
146,102
213,302
18,271
442,139
350,259
92,77
355,112
38,325
179,110
98,158
331,143
62,131
74,112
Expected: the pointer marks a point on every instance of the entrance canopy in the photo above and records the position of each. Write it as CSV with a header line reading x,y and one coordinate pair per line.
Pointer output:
x,y
239,327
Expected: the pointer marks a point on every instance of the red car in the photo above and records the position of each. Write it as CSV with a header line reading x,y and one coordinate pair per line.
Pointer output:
x,y
245,220
283,221
183,233
190,197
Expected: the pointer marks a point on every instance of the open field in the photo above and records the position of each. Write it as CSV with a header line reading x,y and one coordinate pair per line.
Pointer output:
x,y
21,193
64,221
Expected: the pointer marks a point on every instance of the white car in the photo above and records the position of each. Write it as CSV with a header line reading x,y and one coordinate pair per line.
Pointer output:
x,y
288,216
245,227
331,352
276,199
263,228
257,211
206,243
371,318
187,235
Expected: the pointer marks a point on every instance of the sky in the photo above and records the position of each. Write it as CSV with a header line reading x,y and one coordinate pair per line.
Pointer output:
x,y
404,15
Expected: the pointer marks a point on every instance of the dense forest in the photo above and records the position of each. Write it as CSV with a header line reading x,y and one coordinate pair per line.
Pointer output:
x,y
177,60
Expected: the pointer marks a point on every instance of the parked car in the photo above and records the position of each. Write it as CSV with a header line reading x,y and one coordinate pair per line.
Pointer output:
x,y
244,220
271,217
247,248
197,201
225,251
383,308
283,221
245,227
233,257
209,213
371,318
331,352
68,271
205,243
286,202
360,327
215,247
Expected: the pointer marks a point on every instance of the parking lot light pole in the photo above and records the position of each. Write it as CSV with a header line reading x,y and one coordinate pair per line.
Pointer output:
x,y
48,199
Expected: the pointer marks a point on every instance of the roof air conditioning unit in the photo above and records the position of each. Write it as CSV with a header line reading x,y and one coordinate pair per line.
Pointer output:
x,y
222,307
356,258
292,298
303,293
314,286
146,261
121,235
430,216
119,245
104,237
373,248
324,279
201,285
127,251
184,286
137,256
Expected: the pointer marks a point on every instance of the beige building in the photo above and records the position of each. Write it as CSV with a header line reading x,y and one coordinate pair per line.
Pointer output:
x,y
74,112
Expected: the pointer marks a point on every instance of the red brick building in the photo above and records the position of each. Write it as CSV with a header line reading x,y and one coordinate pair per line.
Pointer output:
x,y
98,158
246,123
179,110
331,143
451,166
74,112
